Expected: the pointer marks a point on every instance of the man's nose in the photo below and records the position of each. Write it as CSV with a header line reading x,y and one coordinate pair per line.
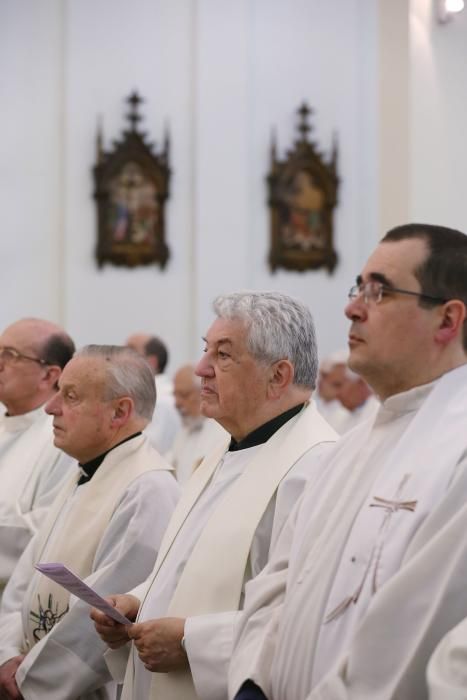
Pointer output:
x,y
356,309
204,367
52,406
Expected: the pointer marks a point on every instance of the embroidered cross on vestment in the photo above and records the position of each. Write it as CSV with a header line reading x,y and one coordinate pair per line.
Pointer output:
x,y
390,506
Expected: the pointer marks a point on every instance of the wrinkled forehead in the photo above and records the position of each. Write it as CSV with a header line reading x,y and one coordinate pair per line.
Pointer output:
x,y
88,374
225,330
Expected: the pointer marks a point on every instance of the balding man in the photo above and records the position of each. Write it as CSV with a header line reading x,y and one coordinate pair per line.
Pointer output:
x,y
198,435
33,353
105,525
165,422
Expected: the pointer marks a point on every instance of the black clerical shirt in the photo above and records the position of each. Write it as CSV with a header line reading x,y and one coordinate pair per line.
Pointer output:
x,y
90,468
265,431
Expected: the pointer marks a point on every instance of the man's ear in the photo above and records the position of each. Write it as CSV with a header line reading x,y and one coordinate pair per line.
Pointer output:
x,y
452,317
52,374
281,376
123,410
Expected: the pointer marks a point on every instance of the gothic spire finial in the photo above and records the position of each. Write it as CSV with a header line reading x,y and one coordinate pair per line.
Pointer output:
x,y
134,100
273,149
303,127
99,140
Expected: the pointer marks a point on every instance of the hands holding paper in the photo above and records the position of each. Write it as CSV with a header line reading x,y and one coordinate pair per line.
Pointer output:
x,y
158,641
115,634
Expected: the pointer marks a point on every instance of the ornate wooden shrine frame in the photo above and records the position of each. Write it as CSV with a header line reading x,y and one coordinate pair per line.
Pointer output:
x,y
302,195
131,189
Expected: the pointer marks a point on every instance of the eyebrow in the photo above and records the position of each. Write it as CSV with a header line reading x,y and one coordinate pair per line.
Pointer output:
x,y
220,341
376,277
66,387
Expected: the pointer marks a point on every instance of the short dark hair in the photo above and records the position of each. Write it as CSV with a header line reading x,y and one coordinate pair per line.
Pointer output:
x,y
156,347
58,350
444,272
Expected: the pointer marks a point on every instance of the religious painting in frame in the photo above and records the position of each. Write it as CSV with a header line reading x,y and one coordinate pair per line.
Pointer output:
x,y
131,190
302,196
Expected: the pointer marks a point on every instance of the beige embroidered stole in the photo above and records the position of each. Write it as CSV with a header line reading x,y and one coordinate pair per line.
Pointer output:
x,y
204,586
83,526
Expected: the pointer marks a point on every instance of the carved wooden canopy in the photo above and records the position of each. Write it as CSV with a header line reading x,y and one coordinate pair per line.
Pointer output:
x,y
302,196
131,189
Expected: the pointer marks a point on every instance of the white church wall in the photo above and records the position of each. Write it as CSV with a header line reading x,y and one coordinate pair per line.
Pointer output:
x,y
438,107
222,75
114,48
30,158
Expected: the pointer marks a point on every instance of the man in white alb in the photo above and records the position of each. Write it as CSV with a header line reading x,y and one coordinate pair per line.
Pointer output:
x,y
105,525
198,434
367,576
165,421
33,353
258,371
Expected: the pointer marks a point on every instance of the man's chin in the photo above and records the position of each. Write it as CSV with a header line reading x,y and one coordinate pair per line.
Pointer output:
x,y
208,410
355,357
57,442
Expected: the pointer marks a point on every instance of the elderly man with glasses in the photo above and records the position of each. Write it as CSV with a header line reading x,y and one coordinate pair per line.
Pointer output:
x,y
371,568
33,353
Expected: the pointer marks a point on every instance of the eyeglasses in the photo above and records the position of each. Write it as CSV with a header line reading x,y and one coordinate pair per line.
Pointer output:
x,y
375,291
12,355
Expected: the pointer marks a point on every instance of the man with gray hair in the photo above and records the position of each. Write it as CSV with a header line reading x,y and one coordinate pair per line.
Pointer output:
x,y
106,526
257,373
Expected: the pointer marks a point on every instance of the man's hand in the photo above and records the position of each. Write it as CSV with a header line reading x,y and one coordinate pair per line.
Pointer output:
x,y
8,688
114,634
159,643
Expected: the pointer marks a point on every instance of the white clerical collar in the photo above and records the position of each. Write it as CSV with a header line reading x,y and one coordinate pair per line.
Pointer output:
x,y
404,402
17,424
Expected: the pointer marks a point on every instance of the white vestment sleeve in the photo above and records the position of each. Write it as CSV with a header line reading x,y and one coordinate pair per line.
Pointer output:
x,y
447,670
20,520
407,618
11,623
209,642
255,634
69,662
